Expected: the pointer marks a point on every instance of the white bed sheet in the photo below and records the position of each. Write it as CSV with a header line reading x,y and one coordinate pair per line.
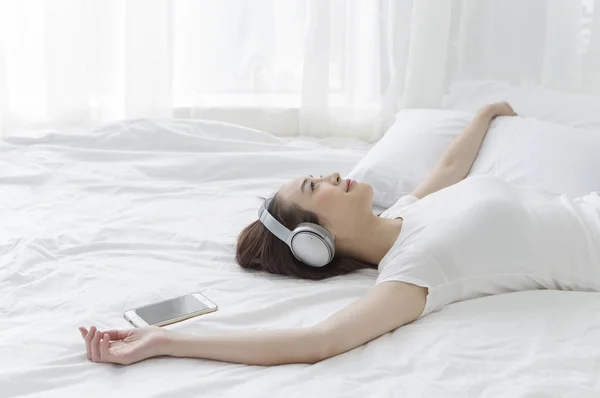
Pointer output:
x,y
95,223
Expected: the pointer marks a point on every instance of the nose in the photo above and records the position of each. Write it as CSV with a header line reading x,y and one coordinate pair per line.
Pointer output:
x,y
334,178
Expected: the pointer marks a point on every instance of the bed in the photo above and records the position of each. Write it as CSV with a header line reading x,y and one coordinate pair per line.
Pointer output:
x,y
96,222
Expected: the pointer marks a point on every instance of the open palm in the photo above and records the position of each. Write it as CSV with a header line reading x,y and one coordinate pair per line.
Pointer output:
x,y
124,346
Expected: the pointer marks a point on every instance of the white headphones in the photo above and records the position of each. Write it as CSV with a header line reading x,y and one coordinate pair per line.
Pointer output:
x,y
309,242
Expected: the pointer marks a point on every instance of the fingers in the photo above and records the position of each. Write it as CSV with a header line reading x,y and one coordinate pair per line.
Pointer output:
x,y
507,111
84,334
88,342
95,346
104,348
117,334
511,111
113,334
97,343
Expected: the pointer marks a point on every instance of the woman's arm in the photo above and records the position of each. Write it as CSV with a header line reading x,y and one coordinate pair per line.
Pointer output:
x,y
385,308
458,159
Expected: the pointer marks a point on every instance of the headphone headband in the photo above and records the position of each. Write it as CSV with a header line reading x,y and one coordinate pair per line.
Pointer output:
x,y
277,228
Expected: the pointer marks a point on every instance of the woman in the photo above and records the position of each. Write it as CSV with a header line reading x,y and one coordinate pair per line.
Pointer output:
x,y
450,240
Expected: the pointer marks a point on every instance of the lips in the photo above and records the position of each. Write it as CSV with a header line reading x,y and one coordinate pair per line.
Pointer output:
x,y
348,184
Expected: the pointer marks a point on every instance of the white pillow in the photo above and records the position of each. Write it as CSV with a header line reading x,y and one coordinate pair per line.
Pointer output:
x,y
523,151
572,109
403,157
549,156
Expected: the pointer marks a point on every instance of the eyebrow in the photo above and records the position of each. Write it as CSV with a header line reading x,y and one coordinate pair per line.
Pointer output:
x,y
303,184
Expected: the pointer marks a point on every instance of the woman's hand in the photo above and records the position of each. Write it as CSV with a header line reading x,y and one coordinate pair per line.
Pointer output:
x,y
124,346
498,109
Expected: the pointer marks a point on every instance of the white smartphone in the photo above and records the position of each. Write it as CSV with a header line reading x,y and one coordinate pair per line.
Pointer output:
x,y
170,311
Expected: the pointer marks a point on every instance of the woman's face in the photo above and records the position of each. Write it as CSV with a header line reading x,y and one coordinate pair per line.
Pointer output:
x,y
341,204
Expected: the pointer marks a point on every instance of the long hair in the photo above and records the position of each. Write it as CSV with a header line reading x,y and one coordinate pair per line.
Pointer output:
x,y
259,249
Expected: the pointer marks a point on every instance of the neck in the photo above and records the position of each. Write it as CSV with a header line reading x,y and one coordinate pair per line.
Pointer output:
x,y
372,240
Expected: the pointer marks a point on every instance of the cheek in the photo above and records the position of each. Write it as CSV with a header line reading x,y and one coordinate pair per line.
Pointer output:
x,y
324,199
331,204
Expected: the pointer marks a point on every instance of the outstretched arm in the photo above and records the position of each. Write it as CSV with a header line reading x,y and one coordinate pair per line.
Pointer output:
x,y
386,307
456,162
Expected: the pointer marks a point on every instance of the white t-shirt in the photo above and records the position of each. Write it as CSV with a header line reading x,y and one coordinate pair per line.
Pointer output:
x,y
484,236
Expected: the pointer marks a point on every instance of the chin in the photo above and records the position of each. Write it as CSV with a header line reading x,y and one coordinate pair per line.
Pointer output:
x,y
367,188
366,191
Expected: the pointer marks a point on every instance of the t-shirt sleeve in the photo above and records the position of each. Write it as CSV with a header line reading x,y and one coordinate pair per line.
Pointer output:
x,y
399,206
414,269
405,200
409,268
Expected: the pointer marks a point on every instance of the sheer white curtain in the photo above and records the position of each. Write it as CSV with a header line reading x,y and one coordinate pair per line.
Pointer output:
x,y
313,67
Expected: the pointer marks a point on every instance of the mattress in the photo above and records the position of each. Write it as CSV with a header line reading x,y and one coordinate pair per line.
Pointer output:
x,y
96,222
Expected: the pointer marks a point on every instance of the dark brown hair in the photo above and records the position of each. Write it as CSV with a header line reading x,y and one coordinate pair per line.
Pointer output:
x,y
259,249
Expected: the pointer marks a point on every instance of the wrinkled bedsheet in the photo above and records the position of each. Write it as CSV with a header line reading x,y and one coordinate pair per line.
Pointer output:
x,y
93,223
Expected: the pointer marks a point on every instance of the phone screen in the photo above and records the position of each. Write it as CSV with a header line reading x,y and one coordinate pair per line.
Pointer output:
x,y
170,309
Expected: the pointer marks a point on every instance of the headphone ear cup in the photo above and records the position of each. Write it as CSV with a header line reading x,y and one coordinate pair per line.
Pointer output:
x,y
325,234
312,244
